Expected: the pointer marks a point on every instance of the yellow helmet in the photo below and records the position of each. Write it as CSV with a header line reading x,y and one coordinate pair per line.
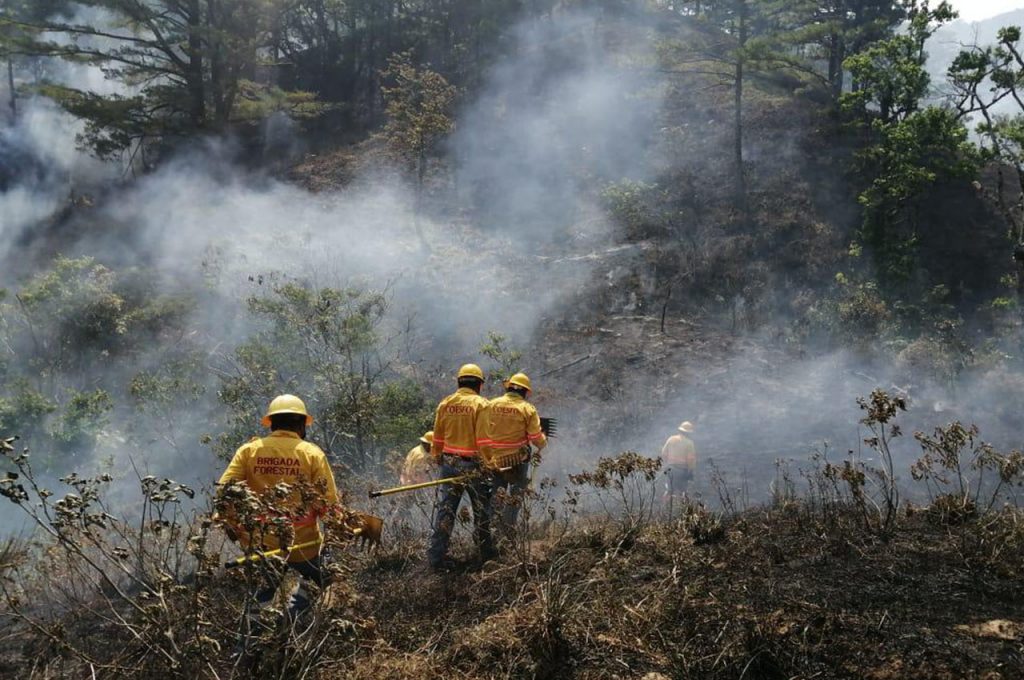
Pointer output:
x,y
286,403
428,438
520,380
471,371
686,426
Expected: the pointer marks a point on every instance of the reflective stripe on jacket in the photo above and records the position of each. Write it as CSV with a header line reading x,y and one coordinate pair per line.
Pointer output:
x,y
457,423
284,457
511,423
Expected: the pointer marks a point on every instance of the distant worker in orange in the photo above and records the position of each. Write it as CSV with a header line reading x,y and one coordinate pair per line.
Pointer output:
x,y
416,468
511,434
679,456
458,426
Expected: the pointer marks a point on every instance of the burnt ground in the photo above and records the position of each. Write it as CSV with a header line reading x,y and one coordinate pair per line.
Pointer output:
x,y
783,594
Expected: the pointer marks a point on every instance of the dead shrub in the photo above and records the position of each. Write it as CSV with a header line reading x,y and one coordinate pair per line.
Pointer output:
x,y
625,489
703,526
952,509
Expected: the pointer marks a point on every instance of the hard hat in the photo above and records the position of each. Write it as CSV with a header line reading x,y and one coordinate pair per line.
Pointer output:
x,y
286,403
520,380
471,371
428,438
686,426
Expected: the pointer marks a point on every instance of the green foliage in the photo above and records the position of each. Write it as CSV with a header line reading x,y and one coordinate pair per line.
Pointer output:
x,y
257,102
891,75
506,359
182,65
636,206
325,345
855,314
908,158
418,107
982,78
80,312
403,414
166,385
66,331
910,150
85,415
24,409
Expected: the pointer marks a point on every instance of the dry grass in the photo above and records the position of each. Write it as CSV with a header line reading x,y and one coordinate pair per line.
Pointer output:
x,y
783,591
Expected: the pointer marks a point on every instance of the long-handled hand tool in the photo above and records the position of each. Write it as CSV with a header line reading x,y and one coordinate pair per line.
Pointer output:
x,y
433,482
368,530
264,554
420,485
547,425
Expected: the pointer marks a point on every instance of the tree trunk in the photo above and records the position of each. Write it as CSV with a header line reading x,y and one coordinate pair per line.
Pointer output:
x,y
194,74
10,88
836,57
215,48
741,183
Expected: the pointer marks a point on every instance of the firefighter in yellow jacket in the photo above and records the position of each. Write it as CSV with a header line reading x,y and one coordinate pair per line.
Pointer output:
x,y
416,468
679,456
457,427
284,457
512,431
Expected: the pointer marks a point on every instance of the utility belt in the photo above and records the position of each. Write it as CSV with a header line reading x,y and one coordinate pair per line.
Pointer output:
x,y
507,458
461,457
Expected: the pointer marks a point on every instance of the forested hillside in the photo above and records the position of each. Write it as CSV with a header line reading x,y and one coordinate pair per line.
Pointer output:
x,y
777,219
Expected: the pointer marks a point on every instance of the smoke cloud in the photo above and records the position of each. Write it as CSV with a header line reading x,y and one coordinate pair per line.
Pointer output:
x,y
525,248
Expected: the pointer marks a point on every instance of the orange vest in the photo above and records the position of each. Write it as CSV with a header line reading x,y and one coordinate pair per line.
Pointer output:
x,y
458,423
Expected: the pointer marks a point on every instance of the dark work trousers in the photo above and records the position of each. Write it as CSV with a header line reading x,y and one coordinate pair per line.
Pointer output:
x,y
311,571
678,480
515,482
480,489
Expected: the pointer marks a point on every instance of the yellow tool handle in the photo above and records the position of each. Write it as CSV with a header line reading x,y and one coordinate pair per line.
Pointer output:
x,y
433,482
270,553
421,485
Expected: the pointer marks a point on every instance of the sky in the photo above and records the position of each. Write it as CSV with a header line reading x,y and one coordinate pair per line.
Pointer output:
x,y
976,10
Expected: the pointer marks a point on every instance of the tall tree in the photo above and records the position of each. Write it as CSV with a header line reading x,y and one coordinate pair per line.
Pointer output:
x,y
418,106
910,147
844,28
182,65
988,82
891,76
16,16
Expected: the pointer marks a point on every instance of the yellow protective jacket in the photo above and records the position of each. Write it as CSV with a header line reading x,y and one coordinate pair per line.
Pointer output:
x,y
458,423
283,456
679,450
417,466
510,424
